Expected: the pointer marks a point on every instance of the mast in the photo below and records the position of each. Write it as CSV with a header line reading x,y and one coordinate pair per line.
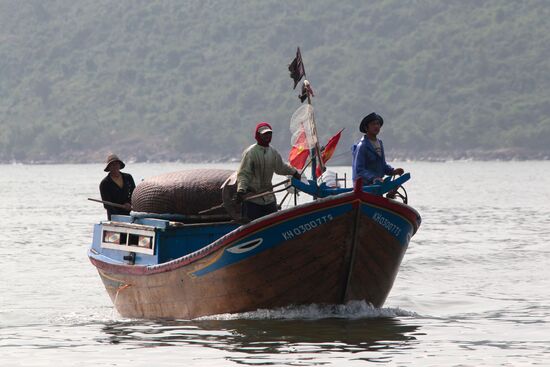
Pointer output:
x,y
316,150
297,72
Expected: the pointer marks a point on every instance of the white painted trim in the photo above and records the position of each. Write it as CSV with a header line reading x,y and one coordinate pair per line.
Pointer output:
x,y
241,248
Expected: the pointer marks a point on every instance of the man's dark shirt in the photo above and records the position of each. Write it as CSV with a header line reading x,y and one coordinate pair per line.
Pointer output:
x,y
110,191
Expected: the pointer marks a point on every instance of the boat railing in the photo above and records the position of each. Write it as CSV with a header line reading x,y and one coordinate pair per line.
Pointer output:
x,y
322,190
390,186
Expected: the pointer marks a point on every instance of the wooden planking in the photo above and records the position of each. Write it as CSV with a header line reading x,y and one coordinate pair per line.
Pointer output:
x,y
376,264
295,260
286,274
311,268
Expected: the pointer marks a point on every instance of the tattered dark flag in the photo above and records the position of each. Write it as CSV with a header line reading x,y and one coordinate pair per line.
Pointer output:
x,y
296,68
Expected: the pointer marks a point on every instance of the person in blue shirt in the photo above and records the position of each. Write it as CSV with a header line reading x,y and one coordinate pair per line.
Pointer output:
x,y
369,161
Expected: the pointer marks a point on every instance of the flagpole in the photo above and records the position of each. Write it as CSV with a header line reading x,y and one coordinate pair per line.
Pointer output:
x,y
297,72
316,150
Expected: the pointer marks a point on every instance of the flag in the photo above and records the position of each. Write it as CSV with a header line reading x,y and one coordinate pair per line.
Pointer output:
x,y
297,156
296,68
328,151
306,90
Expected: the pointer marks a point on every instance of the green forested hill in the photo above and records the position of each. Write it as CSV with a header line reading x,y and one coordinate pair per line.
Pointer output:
x,y
190,79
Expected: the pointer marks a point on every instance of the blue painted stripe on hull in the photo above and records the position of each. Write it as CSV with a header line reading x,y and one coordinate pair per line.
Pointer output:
x,y
274,236
395,224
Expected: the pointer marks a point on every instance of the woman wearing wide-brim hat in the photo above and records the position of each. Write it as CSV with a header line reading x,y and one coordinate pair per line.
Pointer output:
x,y
117,187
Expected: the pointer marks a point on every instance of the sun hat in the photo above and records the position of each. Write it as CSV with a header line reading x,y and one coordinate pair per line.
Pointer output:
x,y
369,118
113,158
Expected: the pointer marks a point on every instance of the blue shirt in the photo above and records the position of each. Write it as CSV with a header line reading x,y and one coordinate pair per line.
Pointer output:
x,y
367,163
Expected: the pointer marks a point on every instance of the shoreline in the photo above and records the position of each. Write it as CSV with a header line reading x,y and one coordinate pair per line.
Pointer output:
x,y
339,162
506,155
501,155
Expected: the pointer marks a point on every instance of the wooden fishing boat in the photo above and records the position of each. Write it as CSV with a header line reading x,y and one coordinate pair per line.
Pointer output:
x,y
345,245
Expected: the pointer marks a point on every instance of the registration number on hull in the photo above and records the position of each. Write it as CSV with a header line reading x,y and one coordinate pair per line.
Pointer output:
x,y
305,227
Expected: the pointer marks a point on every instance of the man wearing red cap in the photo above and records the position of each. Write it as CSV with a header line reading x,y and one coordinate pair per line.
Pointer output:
x,y
255,173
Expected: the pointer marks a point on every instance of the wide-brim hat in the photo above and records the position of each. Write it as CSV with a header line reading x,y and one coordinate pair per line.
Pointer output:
x,y
113,158
369,118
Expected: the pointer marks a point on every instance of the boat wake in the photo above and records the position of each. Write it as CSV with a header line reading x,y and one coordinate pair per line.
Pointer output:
x,y
351,310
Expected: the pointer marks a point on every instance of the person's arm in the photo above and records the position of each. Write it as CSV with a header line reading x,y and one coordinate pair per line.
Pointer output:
x,y
106,196
284,169
244,173
132,184
105,193
389,170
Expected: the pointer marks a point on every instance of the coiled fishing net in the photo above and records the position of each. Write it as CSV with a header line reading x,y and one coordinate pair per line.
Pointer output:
x,y
184,192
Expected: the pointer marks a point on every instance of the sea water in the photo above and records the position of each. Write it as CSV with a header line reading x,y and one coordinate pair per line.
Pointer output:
x,y
473,287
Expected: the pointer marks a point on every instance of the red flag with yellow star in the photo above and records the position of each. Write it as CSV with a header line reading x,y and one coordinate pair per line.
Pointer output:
x,y
329,150
297,156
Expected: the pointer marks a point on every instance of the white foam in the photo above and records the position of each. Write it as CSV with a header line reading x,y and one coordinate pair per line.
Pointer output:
x,y
350,310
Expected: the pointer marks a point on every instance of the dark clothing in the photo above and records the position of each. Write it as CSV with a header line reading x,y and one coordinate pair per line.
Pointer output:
x,y
253,211
110,191
367,163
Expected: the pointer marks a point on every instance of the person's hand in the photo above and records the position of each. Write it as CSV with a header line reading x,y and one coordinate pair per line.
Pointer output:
x,y
398,171
297,175
377,180
127,206
239,197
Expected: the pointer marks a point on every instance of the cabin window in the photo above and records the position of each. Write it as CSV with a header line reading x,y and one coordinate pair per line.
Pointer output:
x,y
129,239
145,241
114,237
133,240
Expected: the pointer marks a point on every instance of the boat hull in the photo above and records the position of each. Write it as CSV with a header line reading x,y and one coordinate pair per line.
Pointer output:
x,y
328,252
